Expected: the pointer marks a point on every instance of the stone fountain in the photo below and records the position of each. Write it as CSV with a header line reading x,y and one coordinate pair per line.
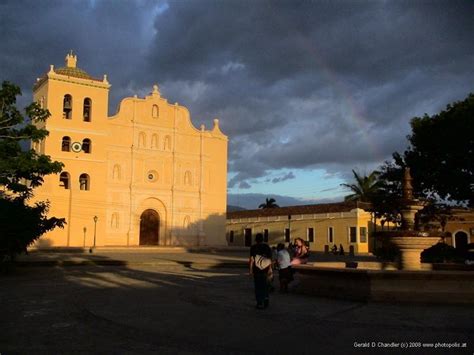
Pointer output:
x,y
378,281
410,242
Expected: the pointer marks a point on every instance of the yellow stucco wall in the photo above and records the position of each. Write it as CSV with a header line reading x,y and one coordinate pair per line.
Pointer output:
x,y
299,225
147,156
461,225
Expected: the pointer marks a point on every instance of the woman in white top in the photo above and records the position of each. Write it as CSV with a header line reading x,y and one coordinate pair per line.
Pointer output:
x,y
285,272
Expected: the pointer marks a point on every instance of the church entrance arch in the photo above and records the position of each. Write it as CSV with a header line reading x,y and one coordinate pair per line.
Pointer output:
x,y
149,227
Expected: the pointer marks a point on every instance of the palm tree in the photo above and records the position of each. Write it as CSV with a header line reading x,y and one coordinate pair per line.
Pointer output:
x,y
365,187
269,203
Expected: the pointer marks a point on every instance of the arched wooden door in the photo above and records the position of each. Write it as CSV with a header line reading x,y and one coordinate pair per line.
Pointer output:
x,y
149,227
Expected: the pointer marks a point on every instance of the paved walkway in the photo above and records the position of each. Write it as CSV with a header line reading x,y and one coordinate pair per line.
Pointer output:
x,y
189,303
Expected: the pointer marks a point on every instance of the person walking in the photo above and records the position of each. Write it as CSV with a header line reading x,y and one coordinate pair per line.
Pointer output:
x,y
285,272
260,252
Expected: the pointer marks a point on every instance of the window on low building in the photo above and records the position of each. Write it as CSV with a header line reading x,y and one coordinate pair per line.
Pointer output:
x,y
86,145
84,182
311,235
363,234
86,114
231,236
330,235
67,107
64,179
353,234
265,235
248,236
66,144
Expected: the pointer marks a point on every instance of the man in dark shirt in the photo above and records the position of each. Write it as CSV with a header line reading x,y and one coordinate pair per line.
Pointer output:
x,y
260,277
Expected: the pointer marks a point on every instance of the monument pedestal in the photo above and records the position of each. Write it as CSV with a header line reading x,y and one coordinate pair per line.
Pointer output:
x,y
411,248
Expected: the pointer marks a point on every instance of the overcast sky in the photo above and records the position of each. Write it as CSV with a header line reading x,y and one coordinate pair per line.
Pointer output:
x,y
305,90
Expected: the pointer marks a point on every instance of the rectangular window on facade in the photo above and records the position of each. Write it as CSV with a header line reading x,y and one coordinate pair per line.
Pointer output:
x,y
248,236
363,234
330,235
231,236
287,235
311,235
265,235
352,234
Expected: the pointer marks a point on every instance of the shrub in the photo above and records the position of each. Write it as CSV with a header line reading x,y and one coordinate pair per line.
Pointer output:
x,y
441,253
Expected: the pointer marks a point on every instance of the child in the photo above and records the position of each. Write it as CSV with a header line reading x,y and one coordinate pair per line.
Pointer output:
x,y
284,267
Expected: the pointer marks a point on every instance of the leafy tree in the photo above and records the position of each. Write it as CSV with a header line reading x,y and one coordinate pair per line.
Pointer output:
x,y
440,213
440,157
21,171
386,203
441,153
269,203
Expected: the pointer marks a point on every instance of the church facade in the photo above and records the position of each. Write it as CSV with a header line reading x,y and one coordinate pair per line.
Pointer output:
x,y
145,176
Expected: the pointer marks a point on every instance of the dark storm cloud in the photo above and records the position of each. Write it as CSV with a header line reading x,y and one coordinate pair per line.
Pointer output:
x,y
315,83
296,84
107,36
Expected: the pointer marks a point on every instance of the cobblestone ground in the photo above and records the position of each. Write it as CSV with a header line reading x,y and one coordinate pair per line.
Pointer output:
x,y
187,310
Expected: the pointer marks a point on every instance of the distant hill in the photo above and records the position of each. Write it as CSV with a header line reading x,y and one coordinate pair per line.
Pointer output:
x,y
251,201
231,208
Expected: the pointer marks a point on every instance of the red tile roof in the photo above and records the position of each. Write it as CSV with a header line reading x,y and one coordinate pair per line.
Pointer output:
x,y
75,72
295,210
71,72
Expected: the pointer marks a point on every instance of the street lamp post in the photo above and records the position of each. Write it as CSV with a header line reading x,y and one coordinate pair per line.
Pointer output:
x,y
289,228
95,232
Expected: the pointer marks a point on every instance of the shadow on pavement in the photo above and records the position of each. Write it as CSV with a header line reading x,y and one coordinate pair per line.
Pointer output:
x,y
193,307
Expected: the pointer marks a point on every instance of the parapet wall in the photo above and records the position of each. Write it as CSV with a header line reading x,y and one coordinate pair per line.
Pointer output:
x,y
443,287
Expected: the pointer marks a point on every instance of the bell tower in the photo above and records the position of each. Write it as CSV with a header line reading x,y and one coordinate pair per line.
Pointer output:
x,y
78,103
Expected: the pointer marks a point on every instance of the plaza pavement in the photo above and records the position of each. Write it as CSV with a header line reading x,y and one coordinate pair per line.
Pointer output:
x,y
148,256
176,302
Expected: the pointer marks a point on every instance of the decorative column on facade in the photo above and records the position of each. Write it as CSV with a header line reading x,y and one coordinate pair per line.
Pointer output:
x,y
132,172
201,235
173,180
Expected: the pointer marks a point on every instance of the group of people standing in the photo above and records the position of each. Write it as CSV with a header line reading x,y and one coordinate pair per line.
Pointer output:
x,y
336,252
263,261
